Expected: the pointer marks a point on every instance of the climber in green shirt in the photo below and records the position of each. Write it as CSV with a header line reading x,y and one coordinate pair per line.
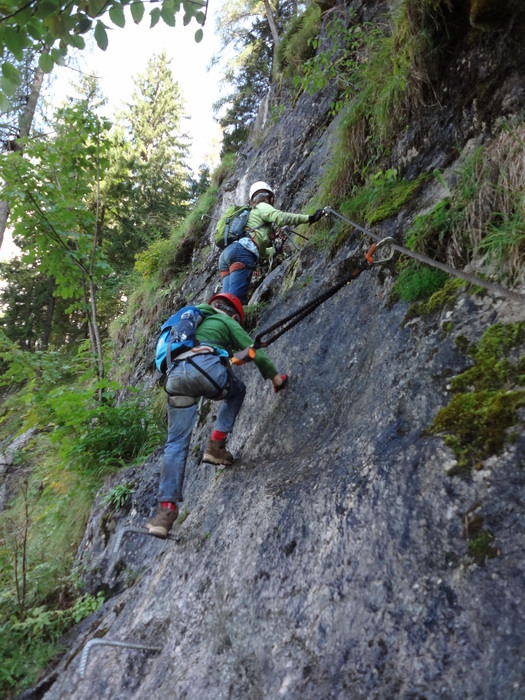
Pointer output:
x,y
237,261
205,370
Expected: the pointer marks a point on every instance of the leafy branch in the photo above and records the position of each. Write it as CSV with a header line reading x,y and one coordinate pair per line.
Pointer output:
x,y
50,194
50,28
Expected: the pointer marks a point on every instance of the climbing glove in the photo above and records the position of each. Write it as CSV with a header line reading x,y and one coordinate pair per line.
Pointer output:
x,y
284,377
314,218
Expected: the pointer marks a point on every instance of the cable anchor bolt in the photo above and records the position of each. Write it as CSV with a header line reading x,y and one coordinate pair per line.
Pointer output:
x,y
375,247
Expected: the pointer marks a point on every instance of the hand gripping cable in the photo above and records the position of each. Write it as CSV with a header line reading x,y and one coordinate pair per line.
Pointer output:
x,y
297,316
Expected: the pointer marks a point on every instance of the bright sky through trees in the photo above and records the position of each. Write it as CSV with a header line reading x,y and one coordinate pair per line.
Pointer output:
x,y
128,53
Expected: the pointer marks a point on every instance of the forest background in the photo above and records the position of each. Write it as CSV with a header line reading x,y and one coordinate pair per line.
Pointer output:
x,y
107,214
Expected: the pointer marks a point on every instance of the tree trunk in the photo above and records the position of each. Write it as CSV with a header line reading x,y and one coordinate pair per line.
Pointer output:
x,y
273,26
26,120
87,304
4,216
24,127
48,323
98,344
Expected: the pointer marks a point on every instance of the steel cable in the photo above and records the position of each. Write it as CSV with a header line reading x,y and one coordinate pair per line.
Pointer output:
x,y
297,316
491,286
294,318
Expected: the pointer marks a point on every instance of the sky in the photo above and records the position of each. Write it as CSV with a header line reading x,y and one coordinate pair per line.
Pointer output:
x,y
127,55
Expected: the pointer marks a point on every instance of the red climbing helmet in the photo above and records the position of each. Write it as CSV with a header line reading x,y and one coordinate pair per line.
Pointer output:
x,y
232,301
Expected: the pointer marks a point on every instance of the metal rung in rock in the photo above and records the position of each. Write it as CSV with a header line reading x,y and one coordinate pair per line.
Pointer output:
x,y
140,531
108,642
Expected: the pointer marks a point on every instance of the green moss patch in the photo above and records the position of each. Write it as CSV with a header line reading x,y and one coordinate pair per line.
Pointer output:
x,y
446,294
487,396
383,196
417,282
482,547
493,367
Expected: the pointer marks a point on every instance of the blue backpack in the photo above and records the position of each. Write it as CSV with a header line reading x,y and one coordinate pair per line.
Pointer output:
x,y
177,335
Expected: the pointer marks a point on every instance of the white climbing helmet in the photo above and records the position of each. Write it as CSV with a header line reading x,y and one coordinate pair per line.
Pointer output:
x,y
260,186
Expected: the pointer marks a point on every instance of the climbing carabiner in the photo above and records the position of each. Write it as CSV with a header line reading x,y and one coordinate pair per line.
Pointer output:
x,y
375,247
244,356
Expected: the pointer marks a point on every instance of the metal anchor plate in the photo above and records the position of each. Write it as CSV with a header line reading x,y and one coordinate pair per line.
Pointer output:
x,y
139,531
109,642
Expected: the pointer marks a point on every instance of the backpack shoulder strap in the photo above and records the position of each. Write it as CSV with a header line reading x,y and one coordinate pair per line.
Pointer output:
x,y
171,323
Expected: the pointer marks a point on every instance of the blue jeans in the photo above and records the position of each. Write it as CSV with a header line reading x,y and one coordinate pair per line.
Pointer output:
x,y
237,281
186,380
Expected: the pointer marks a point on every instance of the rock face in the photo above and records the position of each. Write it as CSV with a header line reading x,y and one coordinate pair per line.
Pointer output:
x,y
10,474
332,560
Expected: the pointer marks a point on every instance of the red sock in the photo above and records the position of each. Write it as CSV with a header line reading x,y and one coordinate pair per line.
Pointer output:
x,y
168,504
219,435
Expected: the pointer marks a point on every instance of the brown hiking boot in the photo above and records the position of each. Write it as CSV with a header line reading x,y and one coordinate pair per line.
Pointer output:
x,y
161,524
216,453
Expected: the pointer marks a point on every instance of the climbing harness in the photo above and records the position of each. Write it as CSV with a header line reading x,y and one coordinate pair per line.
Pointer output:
x,y
491,286
284,235
294,318
221,391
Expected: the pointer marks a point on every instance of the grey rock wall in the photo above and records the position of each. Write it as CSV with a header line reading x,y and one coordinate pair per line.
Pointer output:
x,y
331,561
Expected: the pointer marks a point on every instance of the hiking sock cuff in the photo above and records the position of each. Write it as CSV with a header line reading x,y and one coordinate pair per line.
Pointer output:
x,y
168,504
219,435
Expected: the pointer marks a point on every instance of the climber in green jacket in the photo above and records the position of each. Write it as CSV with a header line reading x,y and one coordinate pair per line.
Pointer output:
x,y
237,261
205,370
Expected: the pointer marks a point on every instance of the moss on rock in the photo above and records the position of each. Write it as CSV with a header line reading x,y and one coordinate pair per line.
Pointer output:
x,y
487,396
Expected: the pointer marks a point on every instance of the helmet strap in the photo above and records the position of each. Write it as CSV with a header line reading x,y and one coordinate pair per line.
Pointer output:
x,y
259,197
227,310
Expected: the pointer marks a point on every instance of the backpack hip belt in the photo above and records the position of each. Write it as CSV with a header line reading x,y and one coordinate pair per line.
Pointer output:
x,y
199,350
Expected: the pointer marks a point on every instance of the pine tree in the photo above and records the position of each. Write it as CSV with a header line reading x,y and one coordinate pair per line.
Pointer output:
x,y
155,189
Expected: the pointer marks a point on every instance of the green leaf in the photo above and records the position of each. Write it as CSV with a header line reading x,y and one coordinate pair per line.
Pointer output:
x,y
155,16
77,41
83,24
15,41
137,11
45,8
168,15
35,29
200,17
57,54
46,62
190,7
7,86
11,74
101,36
116,15
187,18
96,7
198,35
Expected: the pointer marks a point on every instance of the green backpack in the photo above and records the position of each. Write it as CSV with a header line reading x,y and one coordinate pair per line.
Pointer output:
x,y
231,226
